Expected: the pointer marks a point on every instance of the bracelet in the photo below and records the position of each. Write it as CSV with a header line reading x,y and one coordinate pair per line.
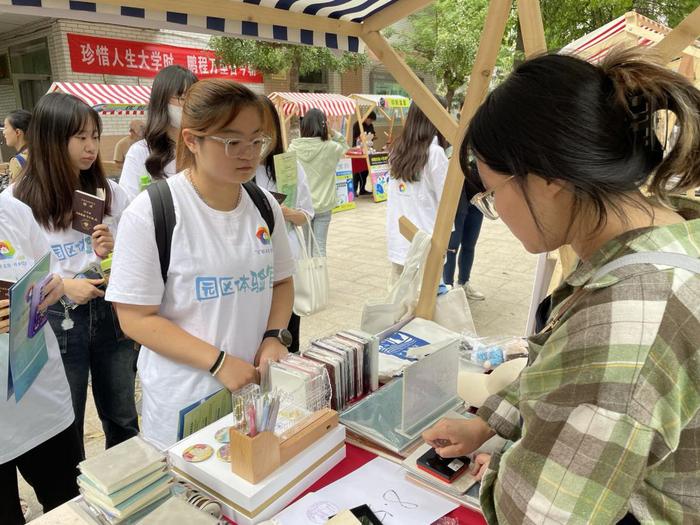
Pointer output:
x,y
217,364
220,366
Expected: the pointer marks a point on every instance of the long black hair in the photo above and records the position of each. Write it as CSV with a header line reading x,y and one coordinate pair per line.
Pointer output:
x,y
314,124
562,118
49,180
409,154
273,128
171,81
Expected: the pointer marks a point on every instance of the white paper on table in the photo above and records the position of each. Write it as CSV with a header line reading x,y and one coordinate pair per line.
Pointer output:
x,y
380,484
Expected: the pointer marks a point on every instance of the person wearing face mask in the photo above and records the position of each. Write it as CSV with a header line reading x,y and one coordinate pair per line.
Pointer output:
x,y
67,133
220,308
154,156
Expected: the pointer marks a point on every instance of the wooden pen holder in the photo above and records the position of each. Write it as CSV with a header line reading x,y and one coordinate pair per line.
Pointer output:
x,y
255,458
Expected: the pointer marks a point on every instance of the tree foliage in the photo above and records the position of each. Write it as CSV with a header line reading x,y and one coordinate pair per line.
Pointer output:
x,y
271,58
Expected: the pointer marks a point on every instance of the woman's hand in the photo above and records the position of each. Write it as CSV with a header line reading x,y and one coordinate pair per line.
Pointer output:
x,y
452,438
82,291
236,373
102,240
479,465
53,291
4,316
295,216
270,350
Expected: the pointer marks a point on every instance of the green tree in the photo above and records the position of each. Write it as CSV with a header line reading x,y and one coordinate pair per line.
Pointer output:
x,y
567,20
443,40
272,58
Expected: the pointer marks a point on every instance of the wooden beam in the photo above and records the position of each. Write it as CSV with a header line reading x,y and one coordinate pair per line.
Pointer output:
x,y
531,27
392,14
680,37
235,10
407,228
489,45
410,82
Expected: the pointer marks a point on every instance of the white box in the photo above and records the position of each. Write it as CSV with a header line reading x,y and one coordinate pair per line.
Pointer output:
x,y
244,502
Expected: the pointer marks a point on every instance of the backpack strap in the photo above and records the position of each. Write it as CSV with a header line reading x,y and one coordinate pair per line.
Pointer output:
x,y
164,221
262,203
674,260
21,159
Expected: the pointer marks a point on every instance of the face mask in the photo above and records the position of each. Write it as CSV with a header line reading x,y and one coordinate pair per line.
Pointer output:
x,y
175,115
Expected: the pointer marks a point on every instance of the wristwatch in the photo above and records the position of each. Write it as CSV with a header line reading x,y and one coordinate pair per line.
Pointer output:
x,y
283,335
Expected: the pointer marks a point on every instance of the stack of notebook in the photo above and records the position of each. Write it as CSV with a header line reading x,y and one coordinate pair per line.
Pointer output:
x,y
125,480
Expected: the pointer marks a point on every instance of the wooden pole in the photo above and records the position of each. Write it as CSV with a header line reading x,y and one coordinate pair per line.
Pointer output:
x,y
393,13
531,27
490,44
410,82
680,37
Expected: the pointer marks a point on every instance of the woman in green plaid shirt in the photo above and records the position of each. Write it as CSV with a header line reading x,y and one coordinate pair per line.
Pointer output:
x,y
605,419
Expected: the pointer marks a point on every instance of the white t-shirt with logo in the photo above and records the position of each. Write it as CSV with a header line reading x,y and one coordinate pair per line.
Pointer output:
x,y
219,289
303,203
418,201
135,167
46,408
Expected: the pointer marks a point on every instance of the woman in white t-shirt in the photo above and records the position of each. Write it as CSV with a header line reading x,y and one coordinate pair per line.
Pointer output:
x,y
154,156
302,211
227,299
418,171
65,133
37,430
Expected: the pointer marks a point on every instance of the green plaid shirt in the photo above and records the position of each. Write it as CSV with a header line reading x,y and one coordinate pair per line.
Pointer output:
x,y
606,418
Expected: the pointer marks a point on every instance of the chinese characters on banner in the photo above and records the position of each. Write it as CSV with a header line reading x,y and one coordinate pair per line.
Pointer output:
x,y
110,56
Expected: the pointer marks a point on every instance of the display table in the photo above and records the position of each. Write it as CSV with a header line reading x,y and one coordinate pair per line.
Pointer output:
x,y
356,457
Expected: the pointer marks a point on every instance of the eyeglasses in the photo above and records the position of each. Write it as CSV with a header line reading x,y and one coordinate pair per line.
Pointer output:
x,y
235,148
486,200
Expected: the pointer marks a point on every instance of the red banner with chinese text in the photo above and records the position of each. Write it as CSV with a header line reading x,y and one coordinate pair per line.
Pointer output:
x,y
110,56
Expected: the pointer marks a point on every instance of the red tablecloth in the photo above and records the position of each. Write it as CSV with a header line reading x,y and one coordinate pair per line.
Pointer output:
x,y
356,457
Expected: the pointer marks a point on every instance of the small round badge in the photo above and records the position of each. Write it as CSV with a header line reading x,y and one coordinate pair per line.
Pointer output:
x,y
197,453
224,453
222,435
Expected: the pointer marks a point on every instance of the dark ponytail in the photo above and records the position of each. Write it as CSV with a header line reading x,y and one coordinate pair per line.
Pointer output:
x,y
593,127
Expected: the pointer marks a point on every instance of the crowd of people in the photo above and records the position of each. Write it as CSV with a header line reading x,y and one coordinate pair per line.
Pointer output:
x,y
203,256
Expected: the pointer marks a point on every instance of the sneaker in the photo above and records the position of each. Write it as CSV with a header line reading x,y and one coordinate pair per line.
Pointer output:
x,y
472,294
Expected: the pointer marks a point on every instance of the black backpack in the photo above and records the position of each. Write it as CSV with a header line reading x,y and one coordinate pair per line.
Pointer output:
x,y
164,216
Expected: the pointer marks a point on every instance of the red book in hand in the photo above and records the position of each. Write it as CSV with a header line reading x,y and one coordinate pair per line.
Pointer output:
x,y
88,212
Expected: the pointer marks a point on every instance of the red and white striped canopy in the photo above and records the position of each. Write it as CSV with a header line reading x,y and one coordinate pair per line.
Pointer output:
x,y
331,104
108,99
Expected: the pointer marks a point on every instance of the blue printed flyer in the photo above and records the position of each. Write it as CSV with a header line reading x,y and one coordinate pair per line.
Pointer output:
x,y
27,345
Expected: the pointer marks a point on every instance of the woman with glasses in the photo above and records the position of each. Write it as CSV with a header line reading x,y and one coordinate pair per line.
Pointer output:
x,y
418,170
605,419
153,158
225,306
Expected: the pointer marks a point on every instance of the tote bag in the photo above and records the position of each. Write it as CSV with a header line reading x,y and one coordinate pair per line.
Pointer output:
x,y
311,284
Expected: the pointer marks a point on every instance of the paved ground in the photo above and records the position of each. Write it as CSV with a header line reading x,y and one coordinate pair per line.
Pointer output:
x,y
359,270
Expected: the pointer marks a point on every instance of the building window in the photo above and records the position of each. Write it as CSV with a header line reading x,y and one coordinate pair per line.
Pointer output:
x,y
382,83
31,58
314,82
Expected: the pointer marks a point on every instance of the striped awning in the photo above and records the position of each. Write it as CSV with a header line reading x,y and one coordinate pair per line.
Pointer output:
x,y
133,14
299,103
108,99
628,29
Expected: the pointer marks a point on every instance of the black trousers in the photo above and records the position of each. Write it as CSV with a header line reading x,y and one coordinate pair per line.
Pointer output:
x,y
51,468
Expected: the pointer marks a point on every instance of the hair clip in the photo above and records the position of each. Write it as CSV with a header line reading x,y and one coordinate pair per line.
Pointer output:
x,y
642,121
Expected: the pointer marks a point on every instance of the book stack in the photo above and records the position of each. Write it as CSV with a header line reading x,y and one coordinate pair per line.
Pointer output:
x,y
127,480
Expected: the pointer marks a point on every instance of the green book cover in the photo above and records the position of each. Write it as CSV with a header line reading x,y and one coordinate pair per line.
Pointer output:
x,y
286,174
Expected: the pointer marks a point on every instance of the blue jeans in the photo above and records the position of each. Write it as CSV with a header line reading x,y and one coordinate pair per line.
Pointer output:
x,y
320,224
464,237
92,348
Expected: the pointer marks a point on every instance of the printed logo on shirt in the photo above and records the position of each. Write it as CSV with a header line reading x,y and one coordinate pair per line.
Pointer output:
x,y
207,288
263,235
402,187
72,249
7,251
